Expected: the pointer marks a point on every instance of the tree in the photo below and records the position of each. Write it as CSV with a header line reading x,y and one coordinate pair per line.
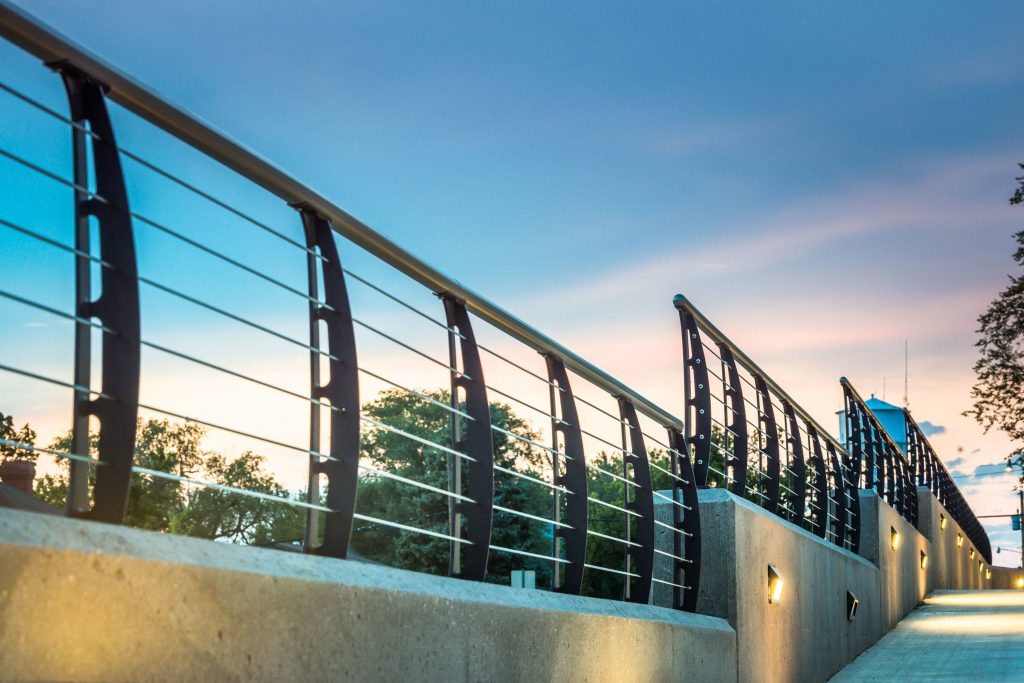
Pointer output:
x,y
999,392
387,499
9,436
217,514
167,504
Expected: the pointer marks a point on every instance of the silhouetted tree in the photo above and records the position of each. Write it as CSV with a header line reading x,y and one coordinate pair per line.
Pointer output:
x,y
999,392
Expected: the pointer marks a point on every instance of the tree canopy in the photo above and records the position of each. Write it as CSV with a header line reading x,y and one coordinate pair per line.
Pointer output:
x,y
164,504
9,436
999,391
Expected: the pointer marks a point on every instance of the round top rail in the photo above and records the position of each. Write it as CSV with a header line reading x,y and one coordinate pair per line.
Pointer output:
x,y
37,38
885,434
681,302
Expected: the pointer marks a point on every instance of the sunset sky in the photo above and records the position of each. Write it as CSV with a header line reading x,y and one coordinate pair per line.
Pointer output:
x,y
823,181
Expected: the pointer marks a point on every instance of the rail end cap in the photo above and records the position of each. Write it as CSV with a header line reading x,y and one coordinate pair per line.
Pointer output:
x,y
679,301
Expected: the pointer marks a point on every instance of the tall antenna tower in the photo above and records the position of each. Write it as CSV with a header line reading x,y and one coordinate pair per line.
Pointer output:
x,y
906,355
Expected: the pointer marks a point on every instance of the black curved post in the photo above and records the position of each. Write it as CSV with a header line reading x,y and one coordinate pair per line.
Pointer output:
x,y
476,443
914,452
697,394
886,483
572,474
642,554
840,491
340,392
769,428
686,542
798,466
735,420
117,308
882,464
820,497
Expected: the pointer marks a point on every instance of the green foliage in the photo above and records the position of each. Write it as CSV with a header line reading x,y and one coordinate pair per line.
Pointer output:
x,y
602,552
218,514
25,435
394,501
162,504
998,396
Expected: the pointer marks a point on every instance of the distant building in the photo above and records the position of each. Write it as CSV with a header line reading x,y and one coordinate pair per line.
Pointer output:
x,y
890,417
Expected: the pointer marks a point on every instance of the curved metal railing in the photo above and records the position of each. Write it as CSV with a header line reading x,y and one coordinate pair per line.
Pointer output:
x,y
928,470
881,464
584,471
746,433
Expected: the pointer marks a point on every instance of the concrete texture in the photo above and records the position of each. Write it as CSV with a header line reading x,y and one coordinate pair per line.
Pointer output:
x,y
951,566
87,602
806,638
1007,578
956,636
903,583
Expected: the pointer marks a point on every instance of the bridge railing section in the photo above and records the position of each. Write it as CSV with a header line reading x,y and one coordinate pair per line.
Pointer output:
x,y
748,435
187,287
881,464
929,471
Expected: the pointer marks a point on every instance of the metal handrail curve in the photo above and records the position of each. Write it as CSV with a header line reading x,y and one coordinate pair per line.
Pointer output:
x,y
47,44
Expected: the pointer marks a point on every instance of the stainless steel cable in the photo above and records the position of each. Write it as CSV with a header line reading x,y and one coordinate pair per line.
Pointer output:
x,y
51,380
535,518
60,454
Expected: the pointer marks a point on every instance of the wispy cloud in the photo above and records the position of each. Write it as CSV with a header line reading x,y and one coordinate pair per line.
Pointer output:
x,y
930,429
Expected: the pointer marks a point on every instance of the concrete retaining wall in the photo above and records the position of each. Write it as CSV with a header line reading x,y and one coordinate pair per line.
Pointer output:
x,y
1004,577
86,602
950,566
806,638
903,583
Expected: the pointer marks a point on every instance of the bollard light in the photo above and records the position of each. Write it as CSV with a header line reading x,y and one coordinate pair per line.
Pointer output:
x,y
959,540
942,521
894,538
852,603
775,583
924,560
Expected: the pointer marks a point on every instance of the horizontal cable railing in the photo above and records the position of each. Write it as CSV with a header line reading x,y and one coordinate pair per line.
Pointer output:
x,y
928,470
371,421
748,435
882,464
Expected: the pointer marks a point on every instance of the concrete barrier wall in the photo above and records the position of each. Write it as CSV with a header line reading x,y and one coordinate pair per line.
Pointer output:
x,y
950,565
88,602
1004,577
903,583
806,638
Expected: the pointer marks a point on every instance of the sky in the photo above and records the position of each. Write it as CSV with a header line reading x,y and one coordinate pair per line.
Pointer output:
x,y
824,182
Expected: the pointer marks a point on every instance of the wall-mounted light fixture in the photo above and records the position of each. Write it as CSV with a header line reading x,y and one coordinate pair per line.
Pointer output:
x,y
894,538
852,603
972,553
942,521
775,583
981,565
1020,582
924,560
959,540
988,574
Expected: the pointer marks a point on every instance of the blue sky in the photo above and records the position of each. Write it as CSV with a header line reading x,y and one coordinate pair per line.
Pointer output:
x,y
824,181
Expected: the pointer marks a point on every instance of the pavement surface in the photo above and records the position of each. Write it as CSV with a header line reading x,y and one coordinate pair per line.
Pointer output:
x,y
955,636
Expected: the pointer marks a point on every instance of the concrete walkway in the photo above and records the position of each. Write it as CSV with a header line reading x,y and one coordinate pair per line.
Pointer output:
x,y
956,636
